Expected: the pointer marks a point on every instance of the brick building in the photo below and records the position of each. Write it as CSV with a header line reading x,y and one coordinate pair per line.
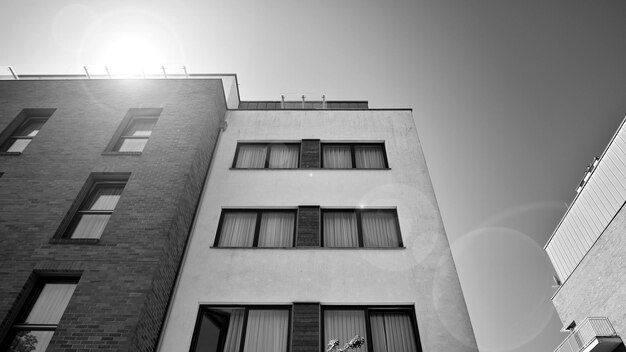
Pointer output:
x,y
166,215
588,251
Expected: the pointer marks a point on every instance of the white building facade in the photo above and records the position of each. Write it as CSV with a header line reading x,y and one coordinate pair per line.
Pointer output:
x,y
317,225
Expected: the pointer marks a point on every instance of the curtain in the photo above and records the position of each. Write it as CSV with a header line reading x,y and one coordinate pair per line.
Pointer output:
x,y
267,331
284,156
133,144
251,156
237,230
343,325
30,128
369,157
392,332
235,327
379,229
337,157
104,197
50,304
18,145
340,229
141,128
90,225
276,229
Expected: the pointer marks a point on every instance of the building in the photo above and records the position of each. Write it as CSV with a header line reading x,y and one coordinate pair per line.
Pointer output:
x,y
69,148
323,222
165,214
588,251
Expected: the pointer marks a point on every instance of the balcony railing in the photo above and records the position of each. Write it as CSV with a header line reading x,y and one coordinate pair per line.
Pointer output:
x,y
586,333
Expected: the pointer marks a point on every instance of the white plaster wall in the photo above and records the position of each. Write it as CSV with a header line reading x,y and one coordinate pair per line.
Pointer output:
x,y
422,273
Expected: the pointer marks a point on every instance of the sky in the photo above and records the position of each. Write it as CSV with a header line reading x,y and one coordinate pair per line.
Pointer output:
x,y
511,99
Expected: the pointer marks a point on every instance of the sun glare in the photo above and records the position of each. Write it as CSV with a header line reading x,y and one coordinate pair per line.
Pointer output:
x,y
132,56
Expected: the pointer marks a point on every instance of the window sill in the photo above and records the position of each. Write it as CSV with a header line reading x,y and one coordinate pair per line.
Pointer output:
x,y
308,248
10,153
122,153
74,241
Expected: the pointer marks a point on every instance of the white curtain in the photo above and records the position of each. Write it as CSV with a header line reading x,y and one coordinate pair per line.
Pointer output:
x,y
337,157
141,128
237,230
30,128
133,144
104,198
235,327
369,157
276,230
251,156
90,225
343,325
340,229
267,331
392,332
284,156
379,229
50,304
18,145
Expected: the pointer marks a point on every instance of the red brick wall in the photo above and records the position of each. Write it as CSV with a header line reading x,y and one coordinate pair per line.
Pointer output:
x,y
127,277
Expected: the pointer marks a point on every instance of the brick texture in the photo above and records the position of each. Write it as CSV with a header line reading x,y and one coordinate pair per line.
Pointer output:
x,y
306,327
128,275
308,226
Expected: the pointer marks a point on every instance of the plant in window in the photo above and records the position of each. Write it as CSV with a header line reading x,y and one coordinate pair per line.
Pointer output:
x,y
356,342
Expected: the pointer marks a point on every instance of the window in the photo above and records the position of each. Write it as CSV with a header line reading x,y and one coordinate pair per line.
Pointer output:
x,y
19,134
136,135
354,156
267,156
95,209
133,133
36,324
247,329
385,329
256,228
360,228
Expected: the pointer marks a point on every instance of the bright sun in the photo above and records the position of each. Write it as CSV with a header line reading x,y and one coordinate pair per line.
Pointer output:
x,y
132,56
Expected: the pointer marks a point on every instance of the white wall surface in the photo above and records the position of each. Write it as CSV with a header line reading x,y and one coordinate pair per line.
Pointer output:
x,y
422,274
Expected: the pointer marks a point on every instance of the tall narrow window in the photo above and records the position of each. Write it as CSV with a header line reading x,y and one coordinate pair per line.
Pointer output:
x,y
256,228
376,228
100,197
267,156
385,329
23,130
136,135
350,156
36,324
248,329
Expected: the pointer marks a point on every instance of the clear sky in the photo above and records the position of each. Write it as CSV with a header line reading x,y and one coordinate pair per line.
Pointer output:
x,y
512,99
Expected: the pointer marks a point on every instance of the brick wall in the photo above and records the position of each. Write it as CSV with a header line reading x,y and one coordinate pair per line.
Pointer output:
x,y
127,276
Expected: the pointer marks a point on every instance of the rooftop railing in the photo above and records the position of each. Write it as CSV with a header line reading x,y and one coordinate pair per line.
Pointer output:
x,y
590,329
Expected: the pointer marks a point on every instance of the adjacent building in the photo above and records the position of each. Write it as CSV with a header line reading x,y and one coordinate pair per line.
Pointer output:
x,y
588,251
168,215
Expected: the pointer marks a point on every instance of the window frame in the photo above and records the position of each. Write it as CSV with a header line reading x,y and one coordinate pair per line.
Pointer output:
x,y
353,154
257,226
247,308
26,306
367,309
25,117
268,152
69,223
134,114
359,212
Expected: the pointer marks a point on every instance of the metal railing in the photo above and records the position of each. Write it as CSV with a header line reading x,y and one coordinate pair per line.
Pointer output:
x,y
584,334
